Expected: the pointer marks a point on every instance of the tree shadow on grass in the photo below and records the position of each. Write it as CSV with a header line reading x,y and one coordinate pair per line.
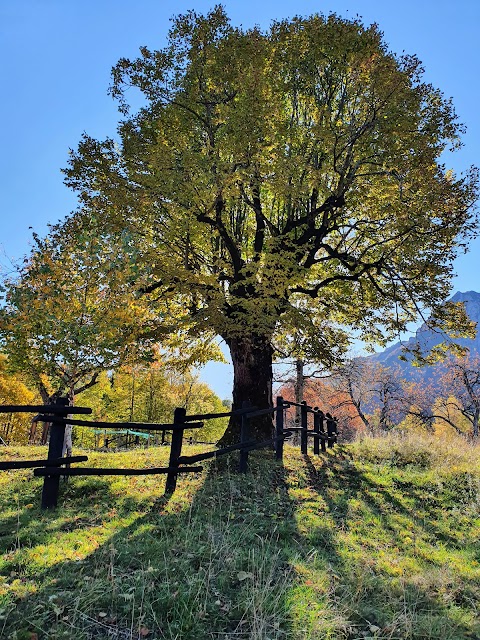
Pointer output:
x,y
203,564
23,523
392,575
419,505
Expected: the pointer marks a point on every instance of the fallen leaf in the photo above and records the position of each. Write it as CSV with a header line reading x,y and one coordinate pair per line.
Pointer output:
x,y
243,575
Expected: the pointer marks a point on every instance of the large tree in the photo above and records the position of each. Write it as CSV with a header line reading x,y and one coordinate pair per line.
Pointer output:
x,y
280,179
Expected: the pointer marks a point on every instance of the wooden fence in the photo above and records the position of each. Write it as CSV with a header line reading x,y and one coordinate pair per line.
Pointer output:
x,y
324,433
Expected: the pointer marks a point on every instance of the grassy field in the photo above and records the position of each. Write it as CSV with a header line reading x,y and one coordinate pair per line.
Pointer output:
x,y
378,539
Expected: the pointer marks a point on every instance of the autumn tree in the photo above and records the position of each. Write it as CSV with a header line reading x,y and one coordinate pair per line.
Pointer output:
x,y
280,178
14,427
462,379
351,386
69,314
451,398
371,395
419,399
388,390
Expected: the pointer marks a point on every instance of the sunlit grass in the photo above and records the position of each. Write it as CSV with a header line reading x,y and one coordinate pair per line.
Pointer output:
x,y
378,539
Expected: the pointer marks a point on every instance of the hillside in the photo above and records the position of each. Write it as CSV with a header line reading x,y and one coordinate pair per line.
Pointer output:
x,y
427,339
379,539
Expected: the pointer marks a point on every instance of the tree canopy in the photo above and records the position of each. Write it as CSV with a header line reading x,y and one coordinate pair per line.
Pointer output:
x,y
279,180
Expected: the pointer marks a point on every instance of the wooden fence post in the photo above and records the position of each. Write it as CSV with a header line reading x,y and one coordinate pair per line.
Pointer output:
x,y
316,430
243,466
303,424
279,429
55,451
175,449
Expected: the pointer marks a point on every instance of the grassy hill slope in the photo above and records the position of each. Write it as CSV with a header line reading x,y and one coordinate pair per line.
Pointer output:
x,y
379,539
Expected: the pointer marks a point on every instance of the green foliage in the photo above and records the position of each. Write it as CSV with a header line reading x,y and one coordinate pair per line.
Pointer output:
x,y
69,314
14,427
345,545
141,393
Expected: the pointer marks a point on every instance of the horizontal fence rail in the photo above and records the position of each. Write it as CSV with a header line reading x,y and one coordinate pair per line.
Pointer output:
x,y
31,464
146,426
309,432
43,408
260,412
300,404
227,414
98,471
216,453
267,443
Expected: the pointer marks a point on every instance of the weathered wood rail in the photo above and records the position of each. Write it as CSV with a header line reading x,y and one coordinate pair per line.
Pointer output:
x,y
321,437
57,415
324,433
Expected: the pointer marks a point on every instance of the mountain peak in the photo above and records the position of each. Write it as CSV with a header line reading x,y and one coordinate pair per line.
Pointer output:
x,y
465,296
428,339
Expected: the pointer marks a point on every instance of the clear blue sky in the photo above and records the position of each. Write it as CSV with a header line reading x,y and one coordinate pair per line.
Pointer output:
x,y
56,57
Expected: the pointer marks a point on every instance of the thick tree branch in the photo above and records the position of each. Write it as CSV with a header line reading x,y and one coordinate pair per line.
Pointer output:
x,y
92,382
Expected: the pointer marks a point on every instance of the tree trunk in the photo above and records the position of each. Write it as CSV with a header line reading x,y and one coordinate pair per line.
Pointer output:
x,y
252,381
67,441
33,432
476,419
299,389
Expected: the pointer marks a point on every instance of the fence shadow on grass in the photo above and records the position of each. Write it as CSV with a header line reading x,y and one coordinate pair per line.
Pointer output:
x,y
399,571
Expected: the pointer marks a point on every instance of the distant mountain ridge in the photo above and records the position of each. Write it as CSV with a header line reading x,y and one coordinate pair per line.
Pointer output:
x,y
428,339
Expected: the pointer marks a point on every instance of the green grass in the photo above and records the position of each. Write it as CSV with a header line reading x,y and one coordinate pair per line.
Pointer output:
x,y
378,539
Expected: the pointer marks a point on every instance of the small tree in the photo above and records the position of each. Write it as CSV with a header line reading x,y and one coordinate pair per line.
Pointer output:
x,y
376,394
68,314
460,386
351,387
